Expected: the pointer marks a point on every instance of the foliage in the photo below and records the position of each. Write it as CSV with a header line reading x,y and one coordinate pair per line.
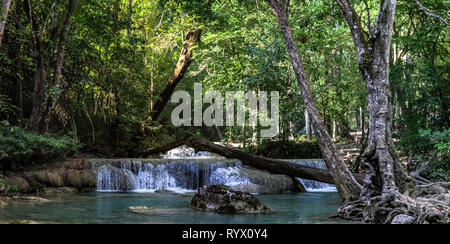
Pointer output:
x,y
437,145
287,149
5,188
18,146
120,54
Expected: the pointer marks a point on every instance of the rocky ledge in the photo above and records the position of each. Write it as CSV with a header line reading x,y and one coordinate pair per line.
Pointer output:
x,y
222,199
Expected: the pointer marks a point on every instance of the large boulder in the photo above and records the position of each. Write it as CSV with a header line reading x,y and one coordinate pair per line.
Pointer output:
x,y
222,199
263,182
20,183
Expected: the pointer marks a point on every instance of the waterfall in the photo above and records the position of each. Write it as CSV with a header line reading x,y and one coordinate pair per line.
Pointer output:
x,y
182,169
173,175
311,185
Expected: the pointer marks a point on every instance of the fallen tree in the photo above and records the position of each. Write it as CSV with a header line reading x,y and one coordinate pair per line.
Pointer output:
x,y
258,162
185,60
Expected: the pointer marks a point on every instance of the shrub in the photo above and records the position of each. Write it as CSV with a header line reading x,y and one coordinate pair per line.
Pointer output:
x,y
287,149
439,149
430,148
19,147
5,189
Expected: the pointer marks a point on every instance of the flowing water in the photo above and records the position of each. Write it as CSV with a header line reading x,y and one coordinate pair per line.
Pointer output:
x,y
126,183
174,175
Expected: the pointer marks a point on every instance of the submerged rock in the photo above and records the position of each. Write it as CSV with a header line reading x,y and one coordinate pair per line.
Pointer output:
x,y
222,199
2,204
138,208
165,191
30,199
23,222
153,211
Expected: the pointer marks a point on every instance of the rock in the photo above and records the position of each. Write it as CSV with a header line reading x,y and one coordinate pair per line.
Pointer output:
x,y
51,178
80,178
222,199
23,222
260,182
138,208
153,211
403,219
163,191
21,183
31,199
298,186
3,204
59,190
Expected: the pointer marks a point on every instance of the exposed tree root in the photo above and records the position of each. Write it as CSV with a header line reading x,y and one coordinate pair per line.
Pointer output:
x,y
425,204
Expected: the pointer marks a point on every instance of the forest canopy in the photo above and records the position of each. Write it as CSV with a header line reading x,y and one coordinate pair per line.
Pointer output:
x,y
92,71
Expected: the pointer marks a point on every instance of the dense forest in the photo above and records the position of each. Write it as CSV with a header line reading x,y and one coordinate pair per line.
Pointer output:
x,y
95,78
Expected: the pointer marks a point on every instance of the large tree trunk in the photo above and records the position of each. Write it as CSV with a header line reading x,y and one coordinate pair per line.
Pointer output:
x,y
348,187
258,162
57,78
373,59
386,191
185,60
4,15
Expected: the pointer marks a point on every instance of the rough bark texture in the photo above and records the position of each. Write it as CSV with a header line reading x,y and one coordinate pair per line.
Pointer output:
x,y
4,16
185,60
387,188
348,187
308,126
58,83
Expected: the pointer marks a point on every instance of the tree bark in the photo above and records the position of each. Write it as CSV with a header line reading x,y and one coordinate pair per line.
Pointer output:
x,y
385,176
4,15
40,77
348,187
308,126
185,60
258,162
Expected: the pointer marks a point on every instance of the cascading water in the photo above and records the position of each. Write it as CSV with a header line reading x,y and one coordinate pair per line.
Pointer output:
x,y
311,185
183,152
181,170
173,175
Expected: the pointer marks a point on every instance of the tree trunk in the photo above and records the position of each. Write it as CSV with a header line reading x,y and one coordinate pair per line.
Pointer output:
x,y
40,78
334,130
258,162
385,193
57,78
4,15
308,126
348,187
185,60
